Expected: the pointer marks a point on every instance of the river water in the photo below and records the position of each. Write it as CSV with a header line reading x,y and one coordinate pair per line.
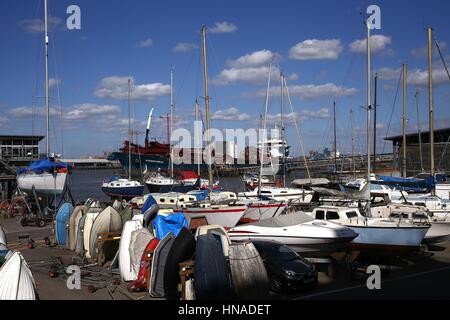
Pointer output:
x,y
87,183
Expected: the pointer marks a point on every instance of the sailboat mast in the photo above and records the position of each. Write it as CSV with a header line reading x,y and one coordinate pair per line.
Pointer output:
x,y
129,129
197,119
208,125
264,135
283,165
353,145
368,25
419,130
404,123
375,123
171,121
47,86
335,137
430,100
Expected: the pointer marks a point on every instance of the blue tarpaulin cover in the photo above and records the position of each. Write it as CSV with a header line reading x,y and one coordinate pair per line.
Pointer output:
x,y
170,223
44,165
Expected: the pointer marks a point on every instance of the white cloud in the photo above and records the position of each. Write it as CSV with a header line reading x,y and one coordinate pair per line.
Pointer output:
x,y
27,112
254,59
422,52
378,43
116,87
91,111
223,27
37,25
146,43
230,114
293,76
4,121
52,82
312,91
321,114
251,68
415,77
184,47
316,49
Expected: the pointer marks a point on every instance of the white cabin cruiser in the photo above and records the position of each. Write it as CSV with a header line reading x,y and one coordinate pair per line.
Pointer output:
x,y
298,196
299,231
374,233
440,208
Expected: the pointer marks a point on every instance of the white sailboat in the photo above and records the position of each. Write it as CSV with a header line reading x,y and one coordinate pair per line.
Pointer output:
x,y
124,187
48,176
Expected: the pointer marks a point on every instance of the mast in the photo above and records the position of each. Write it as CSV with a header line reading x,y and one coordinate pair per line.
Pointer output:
x,y
197,118
283,165
375,123
404,123
129,129
419,129
263,138
368,25
47,86
208,125
353,144
334,140
171,121
430,100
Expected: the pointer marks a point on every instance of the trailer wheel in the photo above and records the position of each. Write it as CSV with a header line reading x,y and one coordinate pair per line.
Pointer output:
x,y
53,274
91,289
40,223
47,241
24,222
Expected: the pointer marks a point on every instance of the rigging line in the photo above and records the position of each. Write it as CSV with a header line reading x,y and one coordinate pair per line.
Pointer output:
x,y
443,154
442,58
191,60
297,128
393,108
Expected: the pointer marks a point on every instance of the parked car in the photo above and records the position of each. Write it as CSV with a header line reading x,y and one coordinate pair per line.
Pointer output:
x,y
286,269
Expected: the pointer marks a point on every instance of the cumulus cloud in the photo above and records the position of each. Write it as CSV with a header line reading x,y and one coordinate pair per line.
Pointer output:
x,y
28,112
3,121
184,47
311,91
254,59
316,50
37,25
91,111
230,114
422,52
416,77
52,82
116,87
251,68
146,43
321,114
378,43
223,27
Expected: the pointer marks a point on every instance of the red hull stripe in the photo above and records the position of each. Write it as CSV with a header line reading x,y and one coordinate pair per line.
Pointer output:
x,y
214,211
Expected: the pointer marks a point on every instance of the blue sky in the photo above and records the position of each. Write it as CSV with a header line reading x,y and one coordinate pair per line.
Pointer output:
x,y
315,43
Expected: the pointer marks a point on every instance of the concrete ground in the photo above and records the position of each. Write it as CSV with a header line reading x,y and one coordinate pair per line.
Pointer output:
x,y
424,275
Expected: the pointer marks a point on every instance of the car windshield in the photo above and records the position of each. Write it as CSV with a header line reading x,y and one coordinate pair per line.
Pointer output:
x,y
276,252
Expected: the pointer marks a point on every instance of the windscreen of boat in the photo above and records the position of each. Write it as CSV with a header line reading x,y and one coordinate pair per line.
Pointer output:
x,y
287,220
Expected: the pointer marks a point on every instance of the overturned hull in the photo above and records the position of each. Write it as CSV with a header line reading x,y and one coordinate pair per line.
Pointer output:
x,y
16,279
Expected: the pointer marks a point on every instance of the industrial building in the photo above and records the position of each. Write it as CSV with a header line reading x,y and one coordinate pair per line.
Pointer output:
x,y
414,162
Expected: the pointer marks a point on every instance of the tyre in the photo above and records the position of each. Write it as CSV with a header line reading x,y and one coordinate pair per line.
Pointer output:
x,y
276,285
24,222
40,223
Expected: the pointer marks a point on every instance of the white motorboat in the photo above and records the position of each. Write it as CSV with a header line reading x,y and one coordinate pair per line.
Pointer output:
x,y
262,210
298,196
438,232
374,233
16,279
299,231
440,208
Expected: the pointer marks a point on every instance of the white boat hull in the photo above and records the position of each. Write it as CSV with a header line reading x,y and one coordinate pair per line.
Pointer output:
x,y
127,273
44,184
16,279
